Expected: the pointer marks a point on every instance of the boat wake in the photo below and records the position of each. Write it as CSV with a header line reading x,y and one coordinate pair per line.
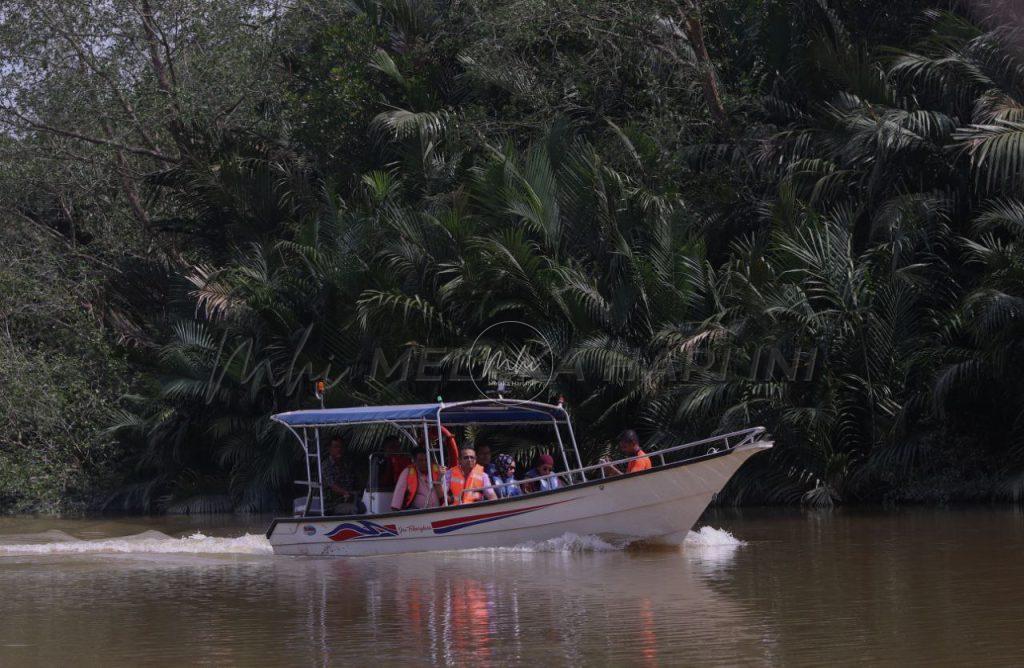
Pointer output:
x,y
569,542
155,542
147,542
705,540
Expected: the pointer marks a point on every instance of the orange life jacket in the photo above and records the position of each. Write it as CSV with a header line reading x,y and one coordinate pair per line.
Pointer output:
x,y
412,481
462,489
641,464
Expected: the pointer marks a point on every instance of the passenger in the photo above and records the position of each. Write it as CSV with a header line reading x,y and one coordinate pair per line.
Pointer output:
x,y
339,481
504,477
629,446
466,477
543,466
483,458
414,488
394,463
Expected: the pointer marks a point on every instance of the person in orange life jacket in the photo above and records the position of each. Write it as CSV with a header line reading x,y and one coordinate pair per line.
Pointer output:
x,y
393,463
415,489
468,476
629,446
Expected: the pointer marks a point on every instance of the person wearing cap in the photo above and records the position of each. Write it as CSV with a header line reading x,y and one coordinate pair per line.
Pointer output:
x,y
629,446
543,467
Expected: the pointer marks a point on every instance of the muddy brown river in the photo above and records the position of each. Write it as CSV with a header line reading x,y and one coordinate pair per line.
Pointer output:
x,y
907,587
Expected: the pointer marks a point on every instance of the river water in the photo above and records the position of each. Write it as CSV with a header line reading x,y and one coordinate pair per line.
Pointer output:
x,y
754,588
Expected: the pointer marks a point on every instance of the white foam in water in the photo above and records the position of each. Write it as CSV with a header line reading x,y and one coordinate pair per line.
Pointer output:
x,y
569,542
149,542
709,537
153,542
705,539
572,543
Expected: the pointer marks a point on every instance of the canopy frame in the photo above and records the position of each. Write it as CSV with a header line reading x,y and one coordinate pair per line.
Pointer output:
x,y
479,411
407,418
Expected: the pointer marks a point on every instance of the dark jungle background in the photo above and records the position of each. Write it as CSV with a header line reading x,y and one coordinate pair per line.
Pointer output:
x,y
205,206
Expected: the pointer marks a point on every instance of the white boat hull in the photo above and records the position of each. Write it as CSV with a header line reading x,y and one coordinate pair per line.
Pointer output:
x,y
660,505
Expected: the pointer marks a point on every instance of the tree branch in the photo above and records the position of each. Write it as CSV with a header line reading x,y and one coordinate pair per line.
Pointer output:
x,y
71,134
689,14
127,185
163,79
88,60
62,239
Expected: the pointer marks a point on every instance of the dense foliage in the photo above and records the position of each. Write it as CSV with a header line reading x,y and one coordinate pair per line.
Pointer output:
x,y
716,213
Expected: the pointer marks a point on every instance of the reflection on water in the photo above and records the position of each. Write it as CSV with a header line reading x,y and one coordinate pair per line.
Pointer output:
x,y
915,587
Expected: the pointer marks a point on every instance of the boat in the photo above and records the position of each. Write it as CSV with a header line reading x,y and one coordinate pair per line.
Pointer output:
x,y
657,506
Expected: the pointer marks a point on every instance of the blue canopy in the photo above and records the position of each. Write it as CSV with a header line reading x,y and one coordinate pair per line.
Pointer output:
x,y
484,411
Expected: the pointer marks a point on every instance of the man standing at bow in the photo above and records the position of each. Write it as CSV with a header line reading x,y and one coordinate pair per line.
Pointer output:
x,y
629,446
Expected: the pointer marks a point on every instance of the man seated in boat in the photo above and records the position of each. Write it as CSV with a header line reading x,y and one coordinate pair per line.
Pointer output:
x,y
543,468
467,482
415,489
629,446
483,458
339,481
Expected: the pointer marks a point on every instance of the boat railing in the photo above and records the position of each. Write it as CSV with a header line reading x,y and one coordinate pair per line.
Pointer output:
x,y
739,438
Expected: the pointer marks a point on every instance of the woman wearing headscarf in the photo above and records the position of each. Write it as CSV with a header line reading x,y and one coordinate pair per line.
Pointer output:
x,y
543,467
504,477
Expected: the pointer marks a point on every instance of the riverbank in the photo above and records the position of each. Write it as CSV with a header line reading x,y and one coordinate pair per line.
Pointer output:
x,y
815,226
